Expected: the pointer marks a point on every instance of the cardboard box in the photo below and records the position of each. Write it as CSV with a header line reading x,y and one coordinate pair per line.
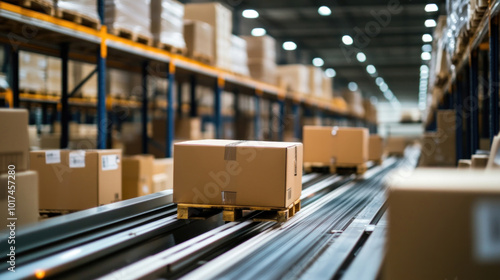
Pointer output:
x,y
464,163
494,160
315,81
137,176
185,128
375,148
443,224
221,19
335,145
26,197
14,143
199,38
50,141
163,174
263,47
244,173
295,77
396,146
77,180
479,161
167,22
263,70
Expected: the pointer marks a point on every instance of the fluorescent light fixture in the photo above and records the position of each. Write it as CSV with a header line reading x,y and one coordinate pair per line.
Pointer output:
x,y
426,56
352,86
250,13
318,62
361,57
324,11
289,46
424,68
379,81
388,94
427,38
431,8
427,48
330,72
258,31
384,87
371,69
346,39
430,23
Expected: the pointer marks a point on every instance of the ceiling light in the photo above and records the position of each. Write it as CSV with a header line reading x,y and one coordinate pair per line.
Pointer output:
x,y
371,69
430,23
258,32
426,56
318,62
384,87
330,72
324,11
361,57
424,68
427,38
289,46
379,81
431,8
388,95
346,39
427,48
352,86
250,13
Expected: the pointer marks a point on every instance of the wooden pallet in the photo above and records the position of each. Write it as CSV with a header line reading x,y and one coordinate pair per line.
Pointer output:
x,y
78,18
133,36
231,213
42,6
170,48
203,58
335,168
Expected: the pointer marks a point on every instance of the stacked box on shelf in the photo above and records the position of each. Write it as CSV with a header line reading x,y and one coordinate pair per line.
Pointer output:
x,y
129,18
315,81
163,174
32,71
239,55
327,87
354,103
167,23
199,37
262,58
295,78
16,180
438,148
79,11
439,68
137,176
53,82
457,19
370,111
220,18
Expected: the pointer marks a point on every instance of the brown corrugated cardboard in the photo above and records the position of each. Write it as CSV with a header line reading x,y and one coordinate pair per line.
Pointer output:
x,y
295,77
375,148
464,163
77,180
185,128
396,145
163,174
137,176
263,69
318,144
479,161
261,47
443,224
199,38
25,197
50,141
494,160
14,143
244,173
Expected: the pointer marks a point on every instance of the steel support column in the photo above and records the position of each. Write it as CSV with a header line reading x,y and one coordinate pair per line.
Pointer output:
x,y
14,76
459,115
494,78
193,107
218,88
256,118
144,107
65,114
101,85
474,102
484,83
169,141
297,129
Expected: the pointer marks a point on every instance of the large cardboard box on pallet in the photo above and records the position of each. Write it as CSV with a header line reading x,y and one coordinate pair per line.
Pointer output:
x,y
26,197
130,16
375,148
242,173
77,179
261,47
14,143
167,22
199,38
137,176
263,70
335,145
443,224
294,77
396,145
221,19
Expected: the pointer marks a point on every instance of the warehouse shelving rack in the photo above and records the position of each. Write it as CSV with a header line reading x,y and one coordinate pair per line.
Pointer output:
x,y
45,34
467,80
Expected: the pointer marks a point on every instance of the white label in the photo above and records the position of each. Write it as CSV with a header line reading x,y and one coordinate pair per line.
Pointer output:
x,y
110,162
486,215
52,157
77,159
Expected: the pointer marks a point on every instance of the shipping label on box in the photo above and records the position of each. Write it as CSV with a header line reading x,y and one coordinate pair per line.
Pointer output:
x,y
243,173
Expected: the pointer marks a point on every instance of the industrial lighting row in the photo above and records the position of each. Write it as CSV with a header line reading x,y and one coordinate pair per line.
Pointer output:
x,y
426,56
422,92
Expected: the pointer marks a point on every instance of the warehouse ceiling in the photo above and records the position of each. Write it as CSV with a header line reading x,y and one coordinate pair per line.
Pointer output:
x,y
388,32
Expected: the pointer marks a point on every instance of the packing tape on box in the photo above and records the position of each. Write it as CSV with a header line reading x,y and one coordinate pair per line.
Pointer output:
x,y
230,150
